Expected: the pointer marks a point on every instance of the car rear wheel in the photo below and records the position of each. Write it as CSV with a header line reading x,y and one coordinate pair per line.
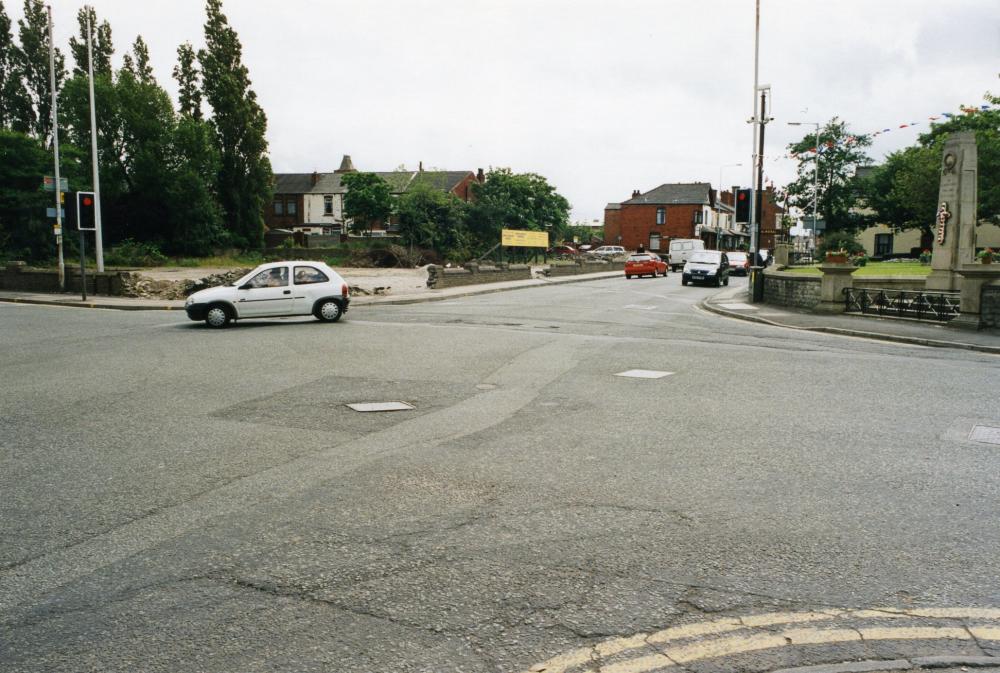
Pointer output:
x,y
329,311
217,316
628,276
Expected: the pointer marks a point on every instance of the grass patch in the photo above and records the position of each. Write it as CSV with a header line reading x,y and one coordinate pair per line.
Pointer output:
x,y
874,269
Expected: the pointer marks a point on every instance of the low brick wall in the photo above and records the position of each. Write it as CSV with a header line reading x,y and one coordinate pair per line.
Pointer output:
x,y
19,278
439,277
791,289
576,268
990,307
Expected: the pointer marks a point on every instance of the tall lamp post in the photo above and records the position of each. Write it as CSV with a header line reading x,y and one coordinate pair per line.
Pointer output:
x,y
815,175
718,242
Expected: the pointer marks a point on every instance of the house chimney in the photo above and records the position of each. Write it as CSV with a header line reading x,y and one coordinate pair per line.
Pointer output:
x,y
480,176
636,193
315,178
421,167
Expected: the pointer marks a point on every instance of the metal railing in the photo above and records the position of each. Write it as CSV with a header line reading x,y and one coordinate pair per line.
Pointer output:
x,y
932,306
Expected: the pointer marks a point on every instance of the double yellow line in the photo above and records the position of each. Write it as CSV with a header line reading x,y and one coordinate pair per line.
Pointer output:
x,y
679,645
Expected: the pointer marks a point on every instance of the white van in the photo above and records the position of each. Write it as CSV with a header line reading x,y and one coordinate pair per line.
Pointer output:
x,y
681,249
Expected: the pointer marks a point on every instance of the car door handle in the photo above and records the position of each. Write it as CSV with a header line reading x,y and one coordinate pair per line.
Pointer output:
x,y
287,292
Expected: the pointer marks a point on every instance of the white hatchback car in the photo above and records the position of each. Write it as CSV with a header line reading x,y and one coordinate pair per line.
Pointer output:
x,y
272,290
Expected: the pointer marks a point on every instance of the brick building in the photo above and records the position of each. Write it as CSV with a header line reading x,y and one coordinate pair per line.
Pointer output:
x,y
771,229
651,219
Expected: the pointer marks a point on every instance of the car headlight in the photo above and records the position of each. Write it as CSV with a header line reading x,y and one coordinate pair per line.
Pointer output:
x,y
190,300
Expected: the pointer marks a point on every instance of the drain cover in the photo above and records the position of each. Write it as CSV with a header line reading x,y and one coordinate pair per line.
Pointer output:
x,y
380,406
644,374
985,434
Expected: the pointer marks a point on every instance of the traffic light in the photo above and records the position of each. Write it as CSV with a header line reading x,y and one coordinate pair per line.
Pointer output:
x,y
743,205
86,211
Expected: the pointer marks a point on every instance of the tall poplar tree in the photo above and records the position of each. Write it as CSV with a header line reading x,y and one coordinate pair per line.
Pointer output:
x,y
240,125
102,46
14,109
137,62
187,75
33,30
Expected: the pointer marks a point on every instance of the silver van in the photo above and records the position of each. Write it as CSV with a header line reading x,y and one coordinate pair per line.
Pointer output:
x,y
681,249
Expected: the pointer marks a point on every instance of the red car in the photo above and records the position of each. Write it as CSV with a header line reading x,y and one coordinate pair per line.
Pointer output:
x,y
739,263
643,264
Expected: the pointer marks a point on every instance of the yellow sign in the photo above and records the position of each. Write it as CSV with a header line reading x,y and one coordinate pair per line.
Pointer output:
x,y
522,238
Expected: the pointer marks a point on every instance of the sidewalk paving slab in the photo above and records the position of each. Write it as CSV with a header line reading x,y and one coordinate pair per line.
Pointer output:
x,y
735,304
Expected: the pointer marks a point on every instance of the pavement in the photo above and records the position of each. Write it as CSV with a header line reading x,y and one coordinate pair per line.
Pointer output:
x,y
731,303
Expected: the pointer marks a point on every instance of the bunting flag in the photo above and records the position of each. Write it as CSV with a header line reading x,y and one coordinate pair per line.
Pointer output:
x,y
851,139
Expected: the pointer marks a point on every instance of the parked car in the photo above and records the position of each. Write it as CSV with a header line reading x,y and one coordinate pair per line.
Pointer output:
x,y
739,263
706,266
609,251
562,251
681,250
273,290
645,264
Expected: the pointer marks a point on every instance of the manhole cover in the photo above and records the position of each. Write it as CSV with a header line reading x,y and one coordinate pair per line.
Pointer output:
x,y
380,406
985,434
644,374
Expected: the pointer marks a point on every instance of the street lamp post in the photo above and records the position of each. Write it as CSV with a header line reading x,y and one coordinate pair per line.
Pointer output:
x,y
815,175
718,242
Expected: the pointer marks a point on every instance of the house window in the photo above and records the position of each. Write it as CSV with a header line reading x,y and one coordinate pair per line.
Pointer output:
x,y
328,205
883,245
279,207
698,216
661,215
654,241
290,207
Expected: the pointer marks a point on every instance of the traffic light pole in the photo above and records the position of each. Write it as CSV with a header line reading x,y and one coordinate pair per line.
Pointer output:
x,y
83,265
98,240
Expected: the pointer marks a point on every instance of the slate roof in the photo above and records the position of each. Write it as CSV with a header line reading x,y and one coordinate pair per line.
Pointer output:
x,y
613,206
399,181
674,194
292,183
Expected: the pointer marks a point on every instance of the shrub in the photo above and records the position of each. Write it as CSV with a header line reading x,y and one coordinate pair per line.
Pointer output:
x,y
840,240
134,253
925,257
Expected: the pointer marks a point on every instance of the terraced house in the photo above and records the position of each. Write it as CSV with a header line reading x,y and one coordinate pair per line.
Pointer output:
x,y
313,203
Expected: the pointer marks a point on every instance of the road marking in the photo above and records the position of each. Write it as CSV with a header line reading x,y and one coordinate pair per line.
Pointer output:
x,y
640,307
673,652
644,374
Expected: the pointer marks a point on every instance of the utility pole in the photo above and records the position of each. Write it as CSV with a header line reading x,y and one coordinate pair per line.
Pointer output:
x,y
55,147
759,204
98,241
754,121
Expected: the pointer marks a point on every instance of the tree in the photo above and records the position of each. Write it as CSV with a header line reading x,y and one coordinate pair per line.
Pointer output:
x,y
22,204
839,153
33,30
903,190
137,63
15,114
101,45
432,218
187,75
245,179
368,200
508,200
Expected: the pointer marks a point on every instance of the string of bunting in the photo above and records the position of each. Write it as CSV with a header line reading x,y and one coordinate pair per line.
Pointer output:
x,y
851,139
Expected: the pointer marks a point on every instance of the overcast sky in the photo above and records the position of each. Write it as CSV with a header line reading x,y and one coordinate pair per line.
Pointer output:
x,y
601,97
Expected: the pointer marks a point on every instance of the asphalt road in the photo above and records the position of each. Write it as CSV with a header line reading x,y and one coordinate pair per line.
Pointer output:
x,y
181,499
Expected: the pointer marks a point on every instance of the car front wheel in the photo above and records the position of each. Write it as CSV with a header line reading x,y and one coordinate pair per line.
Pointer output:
x,y
329,311
217,316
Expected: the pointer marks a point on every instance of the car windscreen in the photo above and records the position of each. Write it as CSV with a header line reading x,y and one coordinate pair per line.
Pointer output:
x,y
737,257
704,257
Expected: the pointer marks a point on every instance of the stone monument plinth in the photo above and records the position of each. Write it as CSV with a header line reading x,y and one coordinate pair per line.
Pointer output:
x,y
955,221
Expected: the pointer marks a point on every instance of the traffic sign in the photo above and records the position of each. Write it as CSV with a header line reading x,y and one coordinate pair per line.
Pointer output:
x,y
51,212
49,184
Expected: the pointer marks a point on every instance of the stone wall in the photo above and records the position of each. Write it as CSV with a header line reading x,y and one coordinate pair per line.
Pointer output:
x,y
583,266
17,277
791,289
990,307
439,277
908,283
